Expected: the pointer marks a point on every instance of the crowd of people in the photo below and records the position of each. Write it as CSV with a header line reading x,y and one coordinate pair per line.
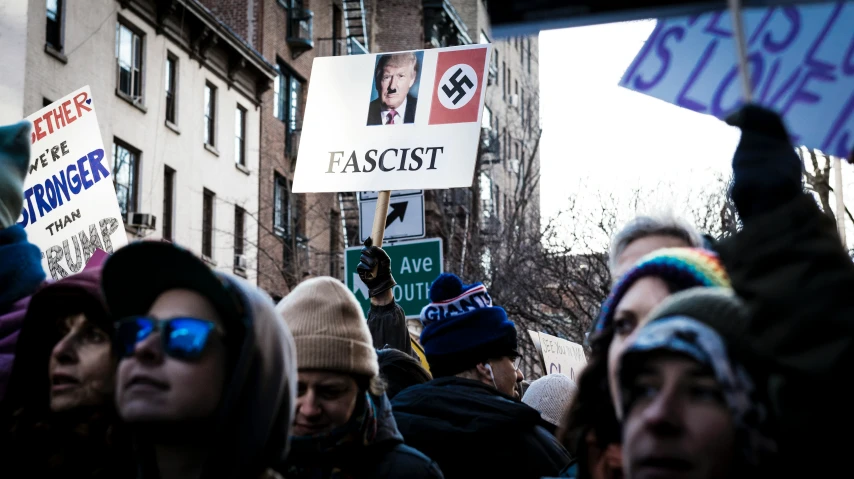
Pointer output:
x,y
708,360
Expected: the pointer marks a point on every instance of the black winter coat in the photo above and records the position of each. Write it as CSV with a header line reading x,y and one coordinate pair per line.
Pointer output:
x,y
798,282
385,458
472,430
388,328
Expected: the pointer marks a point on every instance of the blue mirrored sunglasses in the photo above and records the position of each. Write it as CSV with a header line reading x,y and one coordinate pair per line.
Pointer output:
x,y
181,338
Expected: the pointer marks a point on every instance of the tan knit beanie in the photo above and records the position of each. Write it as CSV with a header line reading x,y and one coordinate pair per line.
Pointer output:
x,y
329,328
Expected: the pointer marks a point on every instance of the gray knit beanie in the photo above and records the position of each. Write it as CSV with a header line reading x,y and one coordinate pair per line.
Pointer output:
x,y
551,396
14,157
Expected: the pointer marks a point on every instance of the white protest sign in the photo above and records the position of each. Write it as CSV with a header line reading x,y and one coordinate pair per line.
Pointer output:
x,y
70,207
561,356
801,61
407,120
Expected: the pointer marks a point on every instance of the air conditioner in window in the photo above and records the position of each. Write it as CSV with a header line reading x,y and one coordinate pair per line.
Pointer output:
x,y
143,221
514,100
240,262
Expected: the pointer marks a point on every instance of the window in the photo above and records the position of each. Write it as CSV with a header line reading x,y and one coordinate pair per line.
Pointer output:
x,y
504,72
529,55
240,136
210,114
483,37
516,150
486,201
287,99
207,223
495,63
239,236
125,168
486,120
516,87
522,51
281,206
335,236
53,33
168,202
506,146
171,86
129,52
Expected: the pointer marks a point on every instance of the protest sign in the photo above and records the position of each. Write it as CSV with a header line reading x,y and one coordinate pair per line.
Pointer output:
x,y
801,61
559,355
414,265
407,120
70,207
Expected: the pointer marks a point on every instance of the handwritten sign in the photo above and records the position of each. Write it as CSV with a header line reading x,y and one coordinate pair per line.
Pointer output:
x,y
559,355
70,206
801,61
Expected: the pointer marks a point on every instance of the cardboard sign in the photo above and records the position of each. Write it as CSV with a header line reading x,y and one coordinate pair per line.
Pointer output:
x,y
394,121
801,61
414,265
559,355
70,206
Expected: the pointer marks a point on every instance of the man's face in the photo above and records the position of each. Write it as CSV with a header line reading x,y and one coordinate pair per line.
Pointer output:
x,y
155,387
641,247
395,84
325,401
506,375
678,425
631,312
81,368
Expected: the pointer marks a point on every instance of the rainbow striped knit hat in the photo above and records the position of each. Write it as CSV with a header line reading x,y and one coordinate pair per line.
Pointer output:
x,y
680,267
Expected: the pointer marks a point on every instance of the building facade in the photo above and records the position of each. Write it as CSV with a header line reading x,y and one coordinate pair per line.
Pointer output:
x,y
299,235
178,98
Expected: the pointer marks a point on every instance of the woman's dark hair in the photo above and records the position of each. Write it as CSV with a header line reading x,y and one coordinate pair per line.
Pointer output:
x,y
400,371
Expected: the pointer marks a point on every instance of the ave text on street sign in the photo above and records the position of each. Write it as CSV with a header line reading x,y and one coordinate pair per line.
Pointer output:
x,y
405,219
414,265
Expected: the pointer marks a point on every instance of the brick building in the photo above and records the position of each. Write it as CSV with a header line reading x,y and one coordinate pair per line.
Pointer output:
x,y
178,98
299,235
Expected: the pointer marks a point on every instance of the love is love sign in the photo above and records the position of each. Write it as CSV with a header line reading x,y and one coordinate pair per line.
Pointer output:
x,y
801,62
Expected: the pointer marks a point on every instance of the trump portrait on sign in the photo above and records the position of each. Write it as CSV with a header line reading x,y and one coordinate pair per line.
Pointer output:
x,y
394,100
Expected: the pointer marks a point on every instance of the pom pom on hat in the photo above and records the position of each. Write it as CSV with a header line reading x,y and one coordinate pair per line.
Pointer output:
x,y
446,286
681,268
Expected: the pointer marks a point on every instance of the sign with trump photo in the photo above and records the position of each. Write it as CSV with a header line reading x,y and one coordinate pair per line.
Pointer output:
x,y
393,121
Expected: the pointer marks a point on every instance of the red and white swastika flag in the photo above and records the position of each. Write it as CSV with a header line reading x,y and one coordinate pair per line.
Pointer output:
x,y
457,91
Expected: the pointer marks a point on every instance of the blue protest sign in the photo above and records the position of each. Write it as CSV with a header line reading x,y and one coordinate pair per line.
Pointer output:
x,y
801,61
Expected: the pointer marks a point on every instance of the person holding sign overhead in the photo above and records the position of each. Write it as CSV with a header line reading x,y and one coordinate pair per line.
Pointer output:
x,y
393,77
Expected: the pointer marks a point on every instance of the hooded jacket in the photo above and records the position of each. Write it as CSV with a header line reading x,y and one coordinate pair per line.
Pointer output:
x,y
21,275
472,430
383,457
257,408
84,442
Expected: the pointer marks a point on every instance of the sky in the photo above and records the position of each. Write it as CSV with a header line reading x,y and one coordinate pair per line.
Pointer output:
x,y
601,138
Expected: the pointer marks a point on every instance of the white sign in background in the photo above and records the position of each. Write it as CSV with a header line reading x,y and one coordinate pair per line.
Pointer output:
x,y
334,129
561,356
405,218
70,207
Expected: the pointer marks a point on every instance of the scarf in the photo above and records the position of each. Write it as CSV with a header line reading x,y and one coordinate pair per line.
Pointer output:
x,y
334,455
21,270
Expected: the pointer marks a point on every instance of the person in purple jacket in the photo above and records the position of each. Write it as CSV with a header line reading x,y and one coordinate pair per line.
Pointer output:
x,y
21,272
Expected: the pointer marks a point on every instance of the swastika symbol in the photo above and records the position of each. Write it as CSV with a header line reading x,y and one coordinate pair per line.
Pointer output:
x,y
457,92
458,86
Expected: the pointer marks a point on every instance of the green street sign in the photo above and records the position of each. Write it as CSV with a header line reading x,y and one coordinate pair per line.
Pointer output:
x,y
414,265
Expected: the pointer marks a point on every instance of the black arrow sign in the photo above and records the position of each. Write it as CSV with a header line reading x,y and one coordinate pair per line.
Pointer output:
x,y
398,210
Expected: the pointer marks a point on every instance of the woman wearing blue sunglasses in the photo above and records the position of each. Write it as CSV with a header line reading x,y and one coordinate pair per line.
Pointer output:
x,y
206,378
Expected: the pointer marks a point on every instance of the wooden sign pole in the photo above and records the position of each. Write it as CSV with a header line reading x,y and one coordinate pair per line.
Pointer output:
x,y
378,233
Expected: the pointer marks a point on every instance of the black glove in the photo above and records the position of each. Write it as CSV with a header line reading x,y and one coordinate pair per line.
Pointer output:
x,y
766,170
375,269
